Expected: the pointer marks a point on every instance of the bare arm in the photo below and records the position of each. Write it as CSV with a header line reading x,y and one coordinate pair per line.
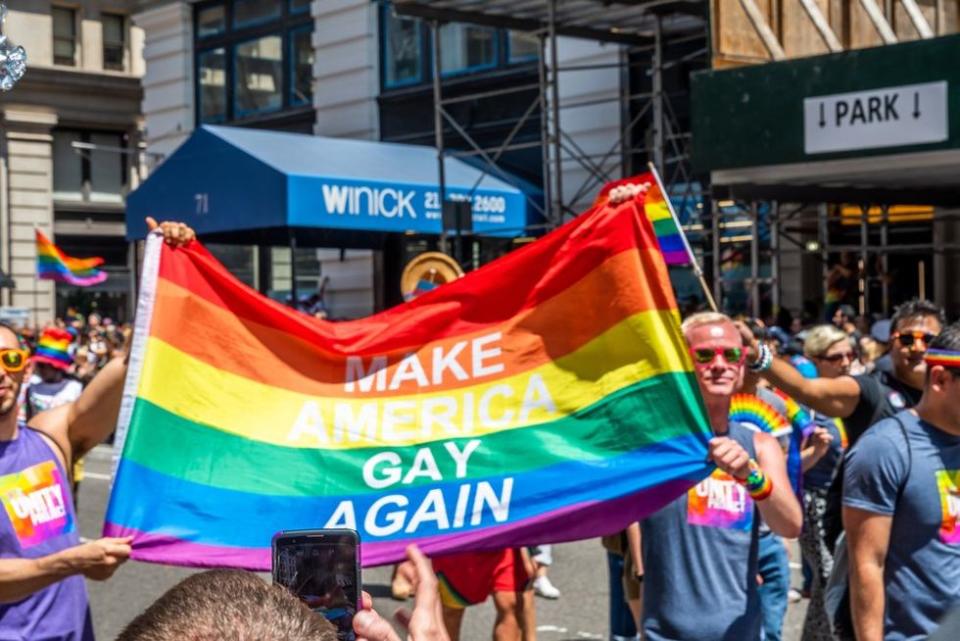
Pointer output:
x,y
634,543
780,510
834,397
79,426
19,578
868,536
815,447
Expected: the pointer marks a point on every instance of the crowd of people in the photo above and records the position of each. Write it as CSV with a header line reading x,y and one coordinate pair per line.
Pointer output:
x,y
874,501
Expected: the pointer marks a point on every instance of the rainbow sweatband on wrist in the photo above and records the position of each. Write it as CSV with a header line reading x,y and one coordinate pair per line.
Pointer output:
x,y
942,357
758,485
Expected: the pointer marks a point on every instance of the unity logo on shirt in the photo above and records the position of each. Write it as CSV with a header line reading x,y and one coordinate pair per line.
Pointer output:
x,y
719,501
36,503
948,484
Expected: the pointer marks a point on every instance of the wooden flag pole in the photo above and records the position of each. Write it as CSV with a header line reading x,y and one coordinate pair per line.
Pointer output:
x,y
683,237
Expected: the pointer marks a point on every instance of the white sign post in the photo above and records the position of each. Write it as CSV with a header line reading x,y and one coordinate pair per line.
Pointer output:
x,y
885,117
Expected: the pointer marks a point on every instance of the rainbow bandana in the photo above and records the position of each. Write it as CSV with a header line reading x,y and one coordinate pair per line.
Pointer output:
x,y
545,397
943,357
53,348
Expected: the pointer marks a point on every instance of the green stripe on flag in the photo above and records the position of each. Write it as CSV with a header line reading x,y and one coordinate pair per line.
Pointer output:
x,y
660,408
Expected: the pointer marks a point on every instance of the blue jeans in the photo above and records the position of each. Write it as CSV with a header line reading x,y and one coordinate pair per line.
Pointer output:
x,y
621,620
775,570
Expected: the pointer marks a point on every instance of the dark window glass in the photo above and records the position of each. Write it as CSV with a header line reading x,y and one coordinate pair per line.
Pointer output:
x,y
523,46
64,36
299,6
467,47
67,167
302,60
402,50
212,78
258,76
248,12
114,40
211,21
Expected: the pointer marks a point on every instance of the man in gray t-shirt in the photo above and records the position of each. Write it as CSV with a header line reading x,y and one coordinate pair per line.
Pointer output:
x,y
901,509
700,550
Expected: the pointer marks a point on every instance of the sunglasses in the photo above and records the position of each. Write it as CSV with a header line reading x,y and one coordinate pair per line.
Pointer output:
x,y
836,358
13,360
907,339
706,355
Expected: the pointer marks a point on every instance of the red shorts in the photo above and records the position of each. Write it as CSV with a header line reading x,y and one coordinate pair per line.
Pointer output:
x,y
469,578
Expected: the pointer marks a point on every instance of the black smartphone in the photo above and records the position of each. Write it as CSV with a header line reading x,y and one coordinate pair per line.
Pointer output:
x,y
322,568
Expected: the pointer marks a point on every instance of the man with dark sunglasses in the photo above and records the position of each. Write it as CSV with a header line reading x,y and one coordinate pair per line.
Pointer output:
x,y
42,561
700,551
901,509
863,400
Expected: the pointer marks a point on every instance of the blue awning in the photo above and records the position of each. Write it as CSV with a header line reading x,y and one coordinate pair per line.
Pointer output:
x,y
255,186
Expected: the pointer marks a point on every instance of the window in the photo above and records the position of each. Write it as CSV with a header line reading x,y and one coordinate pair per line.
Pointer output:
x,y
403,50
299,6
253,58
522,47
466,48
258,76
251,12
301,56
212,77
114,41
406,46
97,175
67,167
64,36
211,21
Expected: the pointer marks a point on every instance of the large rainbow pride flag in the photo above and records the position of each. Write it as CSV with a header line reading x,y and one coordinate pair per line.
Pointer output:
x,y
53,264
545,397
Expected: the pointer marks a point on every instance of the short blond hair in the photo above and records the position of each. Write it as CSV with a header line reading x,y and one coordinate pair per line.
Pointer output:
x,y
821,338
704,318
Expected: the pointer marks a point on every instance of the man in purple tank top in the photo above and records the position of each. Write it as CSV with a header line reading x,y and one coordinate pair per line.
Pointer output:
x,y
42,561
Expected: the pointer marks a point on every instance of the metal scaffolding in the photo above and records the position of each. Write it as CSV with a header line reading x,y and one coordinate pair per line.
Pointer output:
x,y
642,29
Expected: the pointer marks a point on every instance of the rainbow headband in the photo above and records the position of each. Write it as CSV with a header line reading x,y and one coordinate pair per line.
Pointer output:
x,y
942,357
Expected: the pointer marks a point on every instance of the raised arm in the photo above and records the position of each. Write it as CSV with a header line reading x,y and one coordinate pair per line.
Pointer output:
x,y
833,397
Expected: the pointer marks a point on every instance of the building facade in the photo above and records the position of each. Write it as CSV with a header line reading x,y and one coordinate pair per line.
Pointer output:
x,y
70,149
353,68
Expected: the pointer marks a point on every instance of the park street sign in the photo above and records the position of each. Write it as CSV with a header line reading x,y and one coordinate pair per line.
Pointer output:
x,y
884,117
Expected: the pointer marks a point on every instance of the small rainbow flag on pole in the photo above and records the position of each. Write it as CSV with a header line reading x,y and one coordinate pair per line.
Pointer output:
x,y
658,213
545,397
53,264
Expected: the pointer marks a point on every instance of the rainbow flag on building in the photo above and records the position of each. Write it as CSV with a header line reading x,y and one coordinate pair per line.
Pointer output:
x,y
53,264
545,397
658,213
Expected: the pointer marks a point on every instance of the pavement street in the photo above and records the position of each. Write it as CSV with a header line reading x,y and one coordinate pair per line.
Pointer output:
x,y
579,571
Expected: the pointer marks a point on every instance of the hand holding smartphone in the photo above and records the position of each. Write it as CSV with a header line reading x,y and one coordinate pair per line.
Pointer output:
x,y
322,568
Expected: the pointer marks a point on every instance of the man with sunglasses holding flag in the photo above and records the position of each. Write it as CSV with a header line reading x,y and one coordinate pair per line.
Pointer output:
x,y
42,561
700,551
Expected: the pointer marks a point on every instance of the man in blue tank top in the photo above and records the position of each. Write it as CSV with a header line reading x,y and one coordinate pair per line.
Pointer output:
x,y
700,551
42,562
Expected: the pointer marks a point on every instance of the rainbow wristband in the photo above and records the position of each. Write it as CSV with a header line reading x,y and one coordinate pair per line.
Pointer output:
x,y
758,485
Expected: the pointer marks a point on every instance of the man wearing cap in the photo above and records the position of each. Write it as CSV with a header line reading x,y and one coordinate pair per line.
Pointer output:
x,y
901,509
42,561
